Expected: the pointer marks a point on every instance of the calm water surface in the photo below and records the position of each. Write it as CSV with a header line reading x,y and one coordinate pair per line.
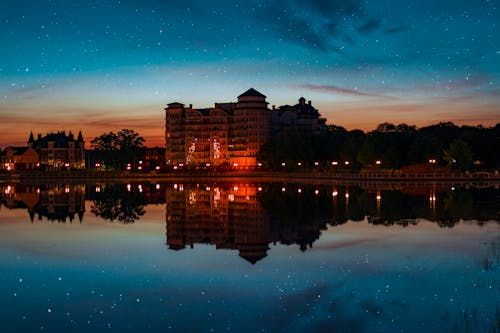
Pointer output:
x,y
248,258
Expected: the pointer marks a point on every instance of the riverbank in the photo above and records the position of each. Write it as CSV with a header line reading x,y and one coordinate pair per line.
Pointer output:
x,y
91,176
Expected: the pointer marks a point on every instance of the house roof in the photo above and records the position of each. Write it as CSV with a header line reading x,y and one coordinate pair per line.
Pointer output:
x,y
252,92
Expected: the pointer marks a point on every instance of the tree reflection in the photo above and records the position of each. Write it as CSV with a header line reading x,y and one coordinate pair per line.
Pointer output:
x,y
119,202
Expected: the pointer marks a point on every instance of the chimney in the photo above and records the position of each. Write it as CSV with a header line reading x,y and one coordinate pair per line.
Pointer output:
x,y
274,107
309,102
190,106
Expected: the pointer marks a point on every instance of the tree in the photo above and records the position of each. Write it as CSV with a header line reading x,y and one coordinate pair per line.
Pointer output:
x,y
107,148
116,150
458,156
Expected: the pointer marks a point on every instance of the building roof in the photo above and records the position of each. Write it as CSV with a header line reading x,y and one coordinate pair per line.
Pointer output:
x,y
60,140
252,92
14,150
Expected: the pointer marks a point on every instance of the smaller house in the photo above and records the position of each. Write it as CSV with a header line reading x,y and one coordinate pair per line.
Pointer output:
x,y
19,158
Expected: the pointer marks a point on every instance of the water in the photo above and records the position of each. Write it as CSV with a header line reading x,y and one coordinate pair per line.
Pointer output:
x,y
248,258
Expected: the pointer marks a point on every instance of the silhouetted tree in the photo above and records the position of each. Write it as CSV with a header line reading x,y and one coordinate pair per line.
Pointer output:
x,y
458,156
119,149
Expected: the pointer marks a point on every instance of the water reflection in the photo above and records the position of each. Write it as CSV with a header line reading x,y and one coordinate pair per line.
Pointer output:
x,y
362,270
282,210
55,202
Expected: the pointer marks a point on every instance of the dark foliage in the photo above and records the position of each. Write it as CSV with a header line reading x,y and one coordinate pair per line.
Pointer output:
x,y
459,148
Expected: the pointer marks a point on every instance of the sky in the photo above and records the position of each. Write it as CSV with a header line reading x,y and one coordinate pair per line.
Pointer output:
x,y
103,65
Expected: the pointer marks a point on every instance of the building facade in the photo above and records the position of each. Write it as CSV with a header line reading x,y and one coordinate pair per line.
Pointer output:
x,y
227,134
59,151
19,158
230,133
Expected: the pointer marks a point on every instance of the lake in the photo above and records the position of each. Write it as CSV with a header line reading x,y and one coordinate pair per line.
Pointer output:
x,y
247,257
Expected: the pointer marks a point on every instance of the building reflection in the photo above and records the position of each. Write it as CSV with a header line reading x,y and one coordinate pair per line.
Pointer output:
x,y
250,217
53,202
229,217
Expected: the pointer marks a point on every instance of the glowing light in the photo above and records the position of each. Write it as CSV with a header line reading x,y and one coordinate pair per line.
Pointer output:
x,y
175,167
335,193
259,189
299,190
379,197
432,161
157,167
335,163
316,192
129,187
299,164
235,188
235,164
316,163
230,197
283,189
347,195
175,186
97,189
259,164
346,162
378,162
283,164
140,188
66,189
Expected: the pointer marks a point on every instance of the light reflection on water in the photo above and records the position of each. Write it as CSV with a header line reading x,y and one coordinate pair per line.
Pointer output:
x,y
247,258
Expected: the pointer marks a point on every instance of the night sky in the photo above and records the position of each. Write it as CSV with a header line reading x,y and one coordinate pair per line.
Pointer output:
x,y
100,66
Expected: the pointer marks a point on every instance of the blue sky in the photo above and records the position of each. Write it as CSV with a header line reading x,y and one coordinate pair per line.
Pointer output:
x,y
98,66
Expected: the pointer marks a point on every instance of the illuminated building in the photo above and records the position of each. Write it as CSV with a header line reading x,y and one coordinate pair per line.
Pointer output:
x,y
59,151
231,133
228,134
19,158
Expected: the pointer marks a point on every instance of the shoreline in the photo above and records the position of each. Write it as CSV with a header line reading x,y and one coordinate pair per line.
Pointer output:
x,y
474,179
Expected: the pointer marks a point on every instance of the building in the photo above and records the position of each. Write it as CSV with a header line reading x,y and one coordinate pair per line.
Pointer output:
x,y
302,116
19,158
59,151
232,133
227,134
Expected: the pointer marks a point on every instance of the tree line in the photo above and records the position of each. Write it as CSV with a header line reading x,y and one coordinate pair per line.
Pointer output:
x,y
388,146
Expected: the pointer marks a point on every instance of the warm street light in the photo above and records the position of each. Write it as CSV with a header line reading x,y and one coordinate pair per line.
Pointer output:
x,y
335,163
283,164
378,162
346,162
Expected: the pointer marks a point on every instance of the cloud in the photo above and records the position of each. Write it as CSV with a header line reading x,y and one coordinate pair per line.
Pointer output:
x,y
337,90
370,26
396,30
316,24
